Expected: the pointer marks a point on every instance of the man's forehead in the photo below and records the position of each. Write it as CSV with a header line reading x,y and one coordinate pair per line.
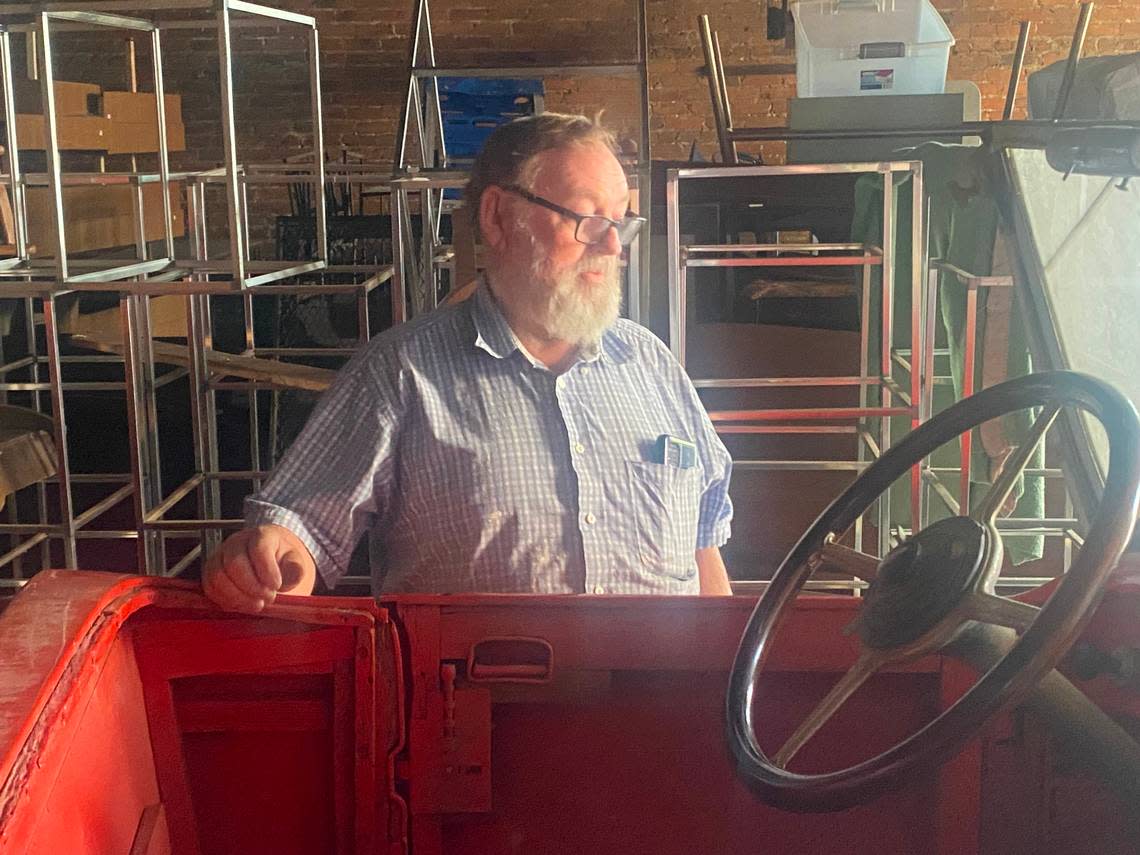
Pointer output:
x,y
589,169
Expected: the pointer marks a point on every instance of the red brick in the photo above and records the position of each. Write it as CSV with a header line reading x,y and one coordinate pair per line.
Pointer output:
x,y
365,48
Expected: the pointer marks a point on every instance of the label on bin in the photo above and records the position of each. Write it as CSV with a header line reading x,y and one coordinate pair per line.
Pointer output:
x,y
877,78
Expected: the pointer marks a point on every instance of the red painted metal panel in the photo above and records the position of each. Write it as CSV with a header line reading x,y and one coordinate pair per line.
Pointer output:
x,y
170,764
284,733
35,661
152,836
959,786
94,774
391,737
262,793
696,633
76,714
622,751
284,788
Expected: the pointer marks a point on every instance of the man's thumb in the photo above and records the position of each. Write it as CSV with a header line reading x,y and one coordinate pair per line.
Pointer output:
x,y
292,571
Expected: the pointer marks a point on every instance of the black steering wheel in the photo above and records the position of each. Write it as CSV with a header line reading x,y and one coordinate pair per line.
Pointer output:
x,y
935,592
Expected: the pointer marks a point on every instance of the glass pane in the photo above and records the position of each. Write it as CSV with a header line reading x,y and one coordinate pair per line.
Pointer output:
x,y
1086,232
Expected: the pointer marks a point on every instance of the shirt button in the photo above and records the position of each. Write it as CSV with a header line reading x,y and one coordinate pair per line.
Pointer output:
x,y
591,519
598,589
585,369
579,448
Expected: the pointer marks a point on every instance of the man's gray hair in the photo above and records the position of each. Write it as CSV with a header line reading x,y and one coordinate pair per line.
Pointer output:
x,y
508,154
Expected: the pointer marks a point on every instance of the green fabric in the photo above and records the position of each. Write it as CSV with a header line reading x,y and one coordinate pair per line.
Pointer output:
x,y
962,227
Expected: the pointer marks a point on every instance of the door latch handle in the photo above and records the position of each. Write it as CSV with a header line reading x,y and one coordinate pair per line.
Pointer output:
x,y
510,659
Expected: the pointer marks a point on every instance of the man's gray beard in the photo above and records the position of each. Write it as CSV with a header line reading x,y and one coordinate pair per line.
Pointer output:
x,y
561,306
571,310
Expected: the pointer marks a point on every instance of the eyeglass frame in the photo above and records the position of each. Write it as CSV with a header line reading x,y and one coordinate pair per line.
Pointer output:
x,y
617,225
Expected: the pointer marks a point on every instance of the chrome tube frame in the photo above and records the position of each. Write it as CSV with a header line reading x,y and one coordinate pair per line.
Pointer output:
x,y
871,418
195,278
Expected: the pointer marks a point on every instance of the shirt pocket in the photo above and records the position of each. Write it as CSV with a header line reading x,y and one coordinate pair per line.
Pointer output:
x,y
665,503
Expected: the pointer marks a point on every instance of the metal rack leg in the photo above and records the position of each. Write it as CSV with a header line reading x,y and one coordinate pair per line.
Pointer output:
x,y
644,279
864,358
210,412
253,409
406,262
38,406
55,376
424,299
141,430
676,268
886,338
229,138
11,511
930,305
917,307
967,391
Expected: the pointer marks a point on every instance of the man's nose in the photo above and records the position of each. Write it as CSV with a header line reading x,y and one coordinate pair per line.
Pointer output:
x,y
609,244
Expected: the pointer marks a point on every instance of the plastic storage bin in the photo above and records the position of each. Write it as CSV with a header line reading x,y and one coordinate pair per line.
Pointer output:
x,y
870,47
473,107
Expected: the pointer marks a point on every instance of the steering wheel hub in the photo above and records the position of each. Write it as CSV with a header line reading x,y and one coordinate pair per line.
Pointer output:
x,y
921,581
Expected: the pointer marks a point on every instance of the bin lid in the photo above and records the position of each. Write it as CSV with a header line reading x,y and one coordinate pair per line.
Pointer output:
x,y
832,24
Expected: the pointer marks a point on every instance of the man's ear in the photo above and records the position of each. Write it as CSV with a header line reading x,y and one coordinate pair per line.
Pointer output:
x,y
492,217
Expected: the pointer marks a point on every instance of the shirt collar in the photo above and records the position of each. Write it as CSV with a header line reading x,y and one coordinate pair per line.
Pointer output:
x,y
492,332
494,335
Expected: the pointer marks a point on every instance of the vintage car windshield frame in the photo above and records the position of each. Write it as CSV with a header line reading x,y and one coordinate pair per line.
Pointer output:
x,y
1057,341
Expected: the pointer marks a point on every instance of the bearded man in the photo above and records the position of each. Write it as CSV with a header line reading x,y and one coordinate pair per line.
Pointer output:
x,y
526,439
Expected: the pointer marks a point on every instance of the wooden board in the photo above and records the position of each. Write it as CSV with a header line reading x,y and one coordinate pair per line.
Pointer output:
x,y
138,107
282,375
71,98
134,125
76,133
142,137
101,217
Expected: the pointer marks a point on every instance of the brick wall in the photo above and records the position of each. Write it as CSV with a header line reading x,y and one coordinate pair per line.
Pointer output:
x,y
365,46
365,51
986,33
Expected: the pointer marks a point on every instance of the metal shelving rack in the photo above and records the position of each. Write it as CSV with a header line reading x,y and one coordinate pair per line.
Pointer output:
x,y
38,283
871,423
139,276
417,266
937,371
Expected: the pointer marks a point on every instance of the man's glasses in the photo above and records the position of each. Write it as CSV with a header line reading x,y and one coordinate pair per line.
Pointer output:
x,y
591,228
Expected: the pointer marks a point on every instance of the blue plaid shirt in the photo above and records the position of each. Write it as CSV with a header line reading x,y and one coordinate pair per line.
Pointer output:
x,y
475,468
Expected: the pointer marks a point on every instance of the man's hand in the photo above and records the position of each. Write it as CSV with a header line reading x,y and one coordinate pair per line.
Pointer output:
x,y
254,565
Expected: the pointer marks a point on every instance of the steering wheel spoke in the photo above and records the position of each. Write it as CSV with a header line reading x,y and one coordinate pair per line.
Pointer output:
x,y
845,560
866,665
1001,611
991,505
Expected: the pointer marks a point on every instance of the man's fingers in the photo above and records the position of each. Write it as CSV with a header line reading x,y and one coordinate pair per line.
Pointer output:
x,y
221,589
240,572
262,554
247,572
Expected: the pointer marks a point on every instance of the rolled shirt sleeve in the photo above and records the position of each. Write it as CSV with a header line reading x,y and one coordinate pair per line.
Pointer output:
x,y
336,480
